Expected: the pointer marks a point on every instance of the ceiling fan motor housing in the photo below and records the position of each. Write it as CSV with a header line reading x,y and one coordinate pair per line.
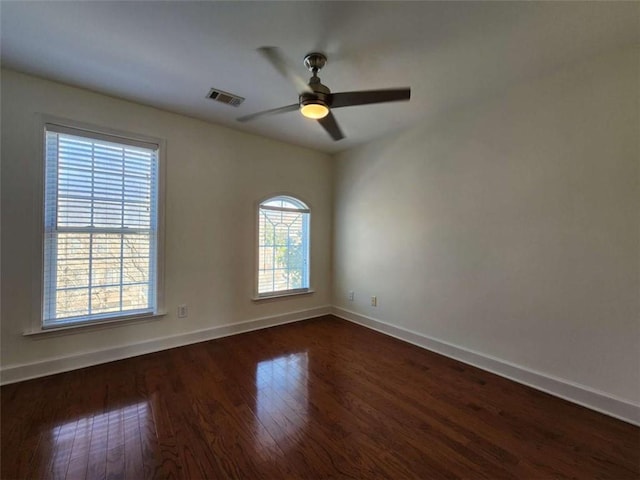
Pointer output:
x,y
320,93
309,98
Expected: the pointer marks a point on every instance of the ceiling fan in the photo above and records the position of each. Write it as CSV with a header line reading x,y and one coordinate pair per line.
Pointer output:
x,y
315,100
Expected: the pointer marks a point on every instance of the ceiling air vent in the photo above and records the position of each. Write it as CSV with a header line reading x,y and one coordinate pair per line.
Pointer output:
x,y
225,97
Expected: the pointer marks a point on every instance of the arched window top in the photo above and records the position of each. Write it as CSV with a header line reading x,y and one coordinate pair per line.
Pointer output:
x,y
283,247
285,202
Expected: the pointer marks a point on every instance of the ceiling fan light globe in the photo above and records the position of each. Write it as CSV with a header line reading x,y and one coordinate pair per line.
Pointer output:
x,y
314,110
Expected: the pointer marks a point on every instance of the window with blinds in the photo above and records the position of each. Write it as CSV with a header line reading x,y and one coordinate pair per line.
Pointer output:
x,y
283,246
100,227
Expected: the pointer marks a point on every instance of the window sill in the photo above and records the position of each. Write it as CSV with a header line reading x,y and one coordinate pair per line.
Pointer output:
x,y
273,296
92,326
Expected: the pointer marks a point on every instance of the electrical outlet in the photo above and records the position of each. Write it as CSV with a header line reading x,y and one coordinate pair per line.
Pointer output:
x,y
351,296
182,311
374,301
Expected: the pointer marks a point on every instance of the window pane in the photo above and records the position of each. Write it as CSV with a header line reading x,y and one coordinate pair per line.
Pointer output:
x,y
72,303
73,245
105,271
107,214
137,215
283,245
295,278
135,269
100,215
135,296
106,245
74,213
136,245
105,299
72,273
285,202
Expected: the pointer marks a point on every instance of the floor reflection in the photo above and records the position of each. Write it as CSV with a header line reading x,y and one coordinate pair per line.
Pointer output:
x,y
102,435
282,398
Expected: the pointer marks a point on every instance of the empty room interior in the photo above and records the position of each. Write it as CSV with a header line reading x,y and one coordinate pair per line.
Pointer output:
x,y
320,240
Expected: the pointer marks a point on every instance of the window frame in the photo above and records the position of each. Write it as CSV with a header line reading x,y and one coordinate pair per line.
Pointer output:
x,y
96,132
281,293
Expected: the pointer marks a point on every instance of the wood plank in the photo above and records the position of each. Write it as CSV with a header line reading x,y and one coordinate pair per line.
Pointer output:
x,y
319,398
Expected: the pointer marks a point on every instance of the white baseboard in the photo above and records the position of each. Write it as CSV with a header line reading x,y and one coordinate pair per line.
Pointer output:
x,y
50,366
558,387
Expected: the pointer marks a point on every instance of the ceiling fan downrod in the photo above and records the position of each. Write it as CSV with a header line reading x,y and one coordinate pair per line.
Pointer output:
x,y
315,105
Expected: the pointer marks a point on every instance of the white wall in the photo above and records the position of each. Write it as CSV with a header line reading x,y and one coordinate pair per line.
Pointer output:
x,y
214,177
510,227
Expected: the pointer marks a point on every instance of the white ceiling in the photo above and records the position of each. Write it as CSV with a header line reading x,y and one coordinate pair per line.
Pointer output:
x,y
169,54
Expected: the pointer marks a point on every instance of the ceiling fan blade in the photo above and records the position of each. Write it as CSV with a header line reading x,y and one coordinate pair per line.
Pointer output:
x,y
348,99
284,68
273,111
331,126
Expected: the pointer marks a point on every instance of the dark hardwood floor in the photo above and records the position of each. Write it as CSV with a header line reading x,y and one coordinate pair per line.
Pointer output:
x,y
315,399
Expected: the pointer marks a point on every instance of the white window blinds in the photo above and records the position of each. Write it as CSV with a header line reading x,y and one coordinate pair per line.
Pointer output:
x,y
283,246
100,226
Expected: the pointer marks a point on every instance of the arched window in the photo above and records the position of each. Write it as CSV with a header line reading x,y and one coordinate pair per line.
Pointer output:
x,y
283,246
